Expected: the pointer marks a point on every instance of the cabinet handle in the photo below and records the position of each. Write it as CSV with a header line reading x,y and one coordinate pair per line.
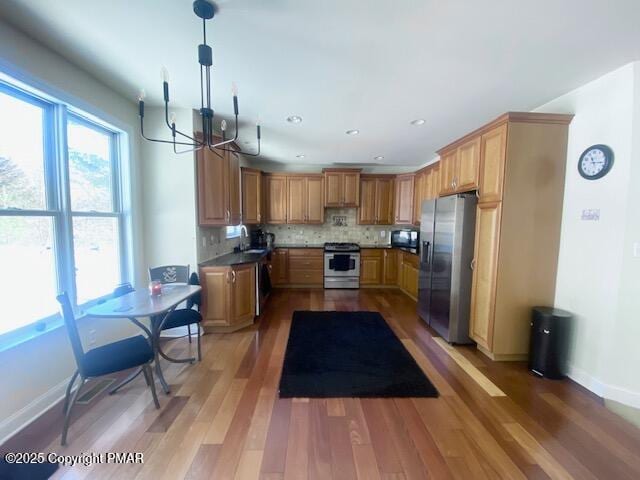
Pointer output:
x,y
228,215
233,274
546,331
473,264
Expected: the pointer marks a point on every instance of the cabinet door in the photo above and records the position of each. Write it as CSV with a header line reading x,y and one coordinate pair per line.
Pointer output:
x,y
435,181
235,206
243,285
493,149
296,204
428,185
384,201
411,280
468,166
448,167
279,266
314,199
483,288
334,184
351,189
404,200
371,267
418,196
390,267
251,196
367,209
275,199
215,295
213,188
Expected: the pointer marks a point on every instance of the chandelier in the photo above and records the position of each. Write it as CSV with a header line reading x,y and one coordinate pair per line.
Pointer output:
x,y
204,10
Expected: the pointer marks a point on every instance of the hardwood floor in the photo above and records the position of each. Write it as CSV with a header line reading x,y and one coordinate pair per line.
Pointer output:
x,y
224,420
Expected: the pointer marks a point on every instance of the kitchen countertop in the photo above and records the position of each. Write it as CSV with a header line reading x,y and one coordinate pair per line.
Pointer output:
x,y
230,259
414,251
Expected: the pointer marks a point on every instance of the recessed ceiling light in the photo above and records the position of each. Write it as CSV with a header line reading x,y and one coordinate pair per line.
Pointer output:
x,y
379,157
294,119
419,121
352,132
300,156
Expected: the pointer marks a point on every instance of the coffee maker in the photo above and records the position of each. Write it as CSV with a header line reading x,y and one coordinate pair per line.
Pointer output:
x,y
262,239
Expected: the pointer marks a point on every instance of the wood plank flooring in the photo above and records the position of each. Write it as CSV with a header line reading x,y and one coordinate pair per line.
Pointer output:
x,y
224,420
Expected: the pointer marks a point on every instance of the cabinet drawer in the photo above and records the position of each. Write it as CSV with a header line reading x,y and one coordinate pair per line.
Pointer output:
x,y
306,252
305,277
371,253
306,263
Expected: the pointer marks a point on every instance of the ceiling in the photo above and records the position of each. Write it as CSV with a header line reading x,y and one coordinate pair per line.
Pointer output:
x,y
372,66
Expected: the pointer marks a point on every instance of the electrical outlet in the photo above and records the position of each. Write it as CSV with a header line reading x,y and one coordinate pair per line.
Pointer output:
x,y
383,233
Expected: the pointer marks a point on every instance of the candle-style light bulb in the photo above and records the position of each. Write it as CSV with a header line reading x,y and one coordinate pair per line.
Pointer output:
x,y
142,95
164,74
234,89
172,118
223,125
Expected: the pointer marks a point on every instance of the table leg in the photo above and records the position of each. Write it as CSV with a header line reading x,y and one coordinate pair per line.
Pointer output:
x,y
154,339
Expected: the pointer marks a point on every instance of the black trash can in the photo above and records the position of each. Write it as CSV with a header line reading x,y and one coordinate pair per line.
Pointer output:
x,y
549,344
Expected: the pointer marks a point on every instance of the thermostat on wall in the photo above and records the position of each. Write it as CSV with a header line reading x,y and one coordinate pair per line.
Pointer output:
x,y
592,214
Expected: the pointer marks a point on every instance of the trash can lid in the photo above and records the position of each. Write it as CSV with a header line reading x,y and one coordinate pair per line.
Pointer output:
x,y
554,312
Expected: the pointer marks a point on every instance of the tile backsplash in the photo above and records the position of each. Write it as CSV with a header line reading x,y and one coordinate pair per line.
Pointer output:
x,y
339,226
212,242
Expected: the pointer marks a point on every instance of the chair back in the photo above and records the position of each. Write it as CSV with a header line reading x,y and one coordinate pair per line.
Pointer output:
x,y
170,274
72,328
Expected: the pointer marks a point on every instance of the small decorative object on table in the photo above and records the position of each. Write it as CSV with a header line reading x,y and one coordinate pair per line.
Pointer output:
x,y
155,288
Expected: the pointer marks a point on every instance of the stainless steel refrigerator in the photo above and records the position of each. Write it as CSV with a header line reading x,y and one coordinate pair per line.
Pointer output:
x,y
447,230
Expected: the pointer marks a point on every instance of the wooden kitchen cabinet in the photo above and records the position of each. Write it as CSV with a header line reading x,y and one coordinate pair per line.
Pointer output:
x,y
251,196
371,266
376,200
342,187
448,167
218,188
390,267
305,199
275,198
468,165
408,274
306,267
229,297
404,199
279,270
493,156
518,219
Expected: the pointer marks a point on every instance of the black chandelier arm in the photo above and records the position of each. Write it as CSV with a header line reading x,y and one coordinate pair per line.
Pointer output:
x,y
241,152
157,140
172,128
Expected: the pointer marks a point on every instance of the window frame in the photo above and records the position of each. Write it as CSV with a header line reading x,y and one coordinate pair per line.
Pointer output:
x,y
58,207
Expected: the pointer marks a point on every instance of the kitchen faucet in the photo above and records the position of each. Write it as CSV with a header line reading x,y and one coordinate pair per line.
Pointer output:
x,y
243,228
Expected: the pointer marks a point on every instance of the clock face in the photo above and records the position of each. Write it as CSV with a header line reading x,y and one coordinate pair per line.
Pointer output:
x,y
595,162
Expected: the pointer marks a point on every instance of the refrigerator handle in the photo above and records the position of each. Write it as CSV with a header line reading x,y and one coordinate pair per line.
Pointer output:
x,y
425,252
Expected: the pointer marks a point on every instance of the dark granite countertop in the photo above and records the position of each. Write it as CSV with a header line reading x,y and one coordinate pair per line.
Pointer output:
x,y
301,245
231,259
362,245
414,251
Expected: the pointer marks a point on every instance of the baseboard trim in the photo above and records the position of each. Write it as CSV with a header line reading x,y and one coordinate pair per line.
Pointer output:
x,y
31,412
604,390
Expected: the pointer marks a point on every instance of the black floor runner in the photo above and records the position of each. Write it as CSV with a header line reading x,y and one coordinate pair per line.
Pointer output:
x,y
348,354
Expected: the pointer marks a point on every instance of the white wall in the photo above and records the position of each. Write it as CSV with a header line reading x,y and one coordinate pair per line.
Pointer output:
x,y
597,276
34,373
169,194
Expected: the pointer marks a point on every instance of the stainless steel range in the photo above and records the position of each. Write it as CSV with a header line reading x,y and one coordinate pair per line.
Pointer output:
x,y
341,265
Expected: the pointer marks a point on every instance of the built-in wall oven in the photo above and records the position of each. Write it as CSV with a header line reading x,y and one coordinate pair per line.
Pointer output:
x,y
341,265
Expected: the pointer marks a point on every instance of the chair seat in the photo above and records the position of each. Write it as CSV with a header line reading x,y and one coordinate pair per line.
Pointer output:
x,y
117,356
182,318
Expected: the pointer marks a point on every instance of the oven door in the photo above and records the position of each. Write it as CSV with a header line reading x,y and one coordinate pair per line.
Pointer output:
x,y
341,264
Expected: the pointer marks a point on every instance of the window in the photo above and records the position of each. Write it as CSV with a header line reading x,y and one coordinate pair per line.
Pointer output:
x,y
233,232
61,216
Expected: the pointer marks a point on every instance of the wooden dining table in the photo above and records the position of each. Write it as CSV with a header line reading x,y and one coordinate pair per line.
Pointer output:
x,y
140,304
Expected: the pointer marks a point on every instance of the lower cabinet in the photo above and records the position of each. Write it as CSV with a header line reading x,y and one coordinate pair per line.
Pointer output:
x,y
390,267
408,274
279,269
371,266
228,297
297,267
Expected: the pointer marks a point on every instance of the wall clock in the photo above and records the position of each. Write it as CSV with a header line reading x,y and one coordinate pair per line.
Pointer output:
x,y
595,162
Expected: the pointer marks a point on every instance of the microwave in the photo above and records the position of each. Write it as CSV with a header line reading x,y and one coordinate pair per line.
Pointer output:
x,y
405,238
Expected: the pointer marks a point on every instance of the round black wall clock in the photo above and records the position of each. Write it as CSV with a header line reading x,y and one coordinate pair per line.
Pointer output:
x,y
595,162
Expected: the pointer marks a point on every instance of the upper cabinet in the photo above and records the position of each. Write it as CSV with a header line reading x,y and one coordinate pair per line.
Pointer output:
x,y
459,167
494,149
218,188
426,187
251,196
376,200
448,167
305,199
342,187
404,199
275,198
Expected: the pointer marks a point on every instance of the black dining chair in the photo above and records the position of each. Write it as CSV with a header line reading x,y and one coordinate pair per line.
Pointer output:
x,y
182,317
110,358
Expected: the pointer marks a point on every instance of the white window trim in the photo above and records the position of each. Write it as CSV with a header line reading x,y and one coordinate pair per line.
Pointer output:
x,y
58,203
